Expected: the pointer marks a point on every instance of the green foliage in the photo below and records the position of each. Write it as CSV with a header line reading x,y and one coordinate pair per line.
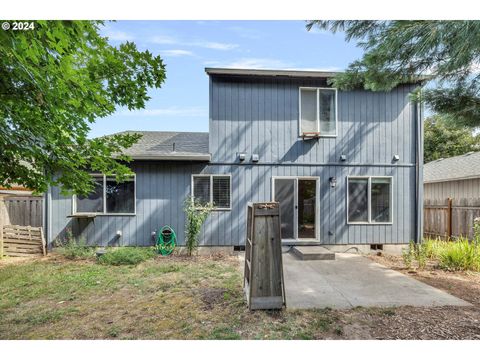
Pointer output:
x,y
415,252
443,139
75,249
408,255
397,52
126,256
54,82
196,214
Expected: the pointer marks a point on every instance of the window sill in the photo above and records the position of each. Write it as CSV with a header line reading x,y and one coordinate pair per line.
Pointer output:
x,y
369,223
93,215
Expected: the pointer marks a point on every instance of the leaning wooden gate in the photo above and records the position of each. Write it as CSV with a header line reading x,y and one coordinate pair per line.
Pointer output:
x,y
263,277
16,240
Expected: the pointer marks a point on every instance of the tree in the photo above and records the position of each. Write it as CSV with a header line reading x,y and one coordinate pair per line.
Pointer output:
x,y
55,81
395,52
442,140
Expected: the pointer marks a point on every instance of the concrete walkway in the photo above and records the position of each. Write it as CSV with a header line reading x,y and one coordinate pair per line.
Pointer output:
x,y
353,280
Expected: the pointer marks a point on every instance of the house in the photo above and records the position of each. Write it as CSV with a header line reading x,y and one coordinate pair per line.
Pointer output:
x,y
346,167
457,177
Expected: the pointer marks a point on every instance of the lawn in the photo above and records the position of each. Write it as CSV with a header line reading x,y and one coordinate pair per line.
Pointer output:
x,y
183,298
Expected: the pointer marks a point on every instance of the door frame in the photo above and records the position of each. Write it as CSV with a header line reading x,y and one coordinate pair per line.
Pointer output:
x,y
296,239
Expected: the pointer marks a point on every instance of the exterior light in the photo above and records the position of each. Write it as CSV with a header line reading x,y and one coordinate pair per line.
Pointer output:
x,y
333,181
343,157
242,156
396,157
255,158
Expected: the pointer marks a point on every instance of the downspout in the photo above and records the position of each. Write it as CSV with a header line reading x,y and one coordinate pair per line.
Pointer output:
x,y
419,170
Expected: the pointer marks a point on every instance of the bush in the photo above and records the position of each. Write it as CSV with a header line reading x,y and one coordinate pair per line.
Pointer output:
x,y
126,256
76,249
196,214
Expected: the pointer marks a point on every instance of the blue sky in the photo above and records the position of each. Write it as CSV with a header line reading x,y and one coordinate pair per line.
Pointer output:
x,y
187,47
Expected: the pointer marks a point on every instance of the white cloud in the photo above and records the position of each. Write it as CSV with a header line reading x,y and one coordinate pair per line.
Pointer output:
x,y
119,35
251,63
246,32
172,111
165,39
176,52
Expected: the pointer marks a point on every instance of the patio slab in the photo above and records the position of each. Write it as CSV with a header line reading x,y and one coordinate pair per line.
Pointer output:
x,y
353,280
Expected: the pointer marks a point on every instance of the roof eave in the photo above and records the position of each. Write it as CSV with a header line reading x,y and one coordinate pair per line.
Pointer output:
x,y
452,179
184,157
273,73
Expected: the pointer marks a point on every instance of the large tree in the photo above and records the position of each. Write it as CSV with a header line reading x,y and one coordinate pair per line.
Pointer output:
x,y
397,51
442,140
55,80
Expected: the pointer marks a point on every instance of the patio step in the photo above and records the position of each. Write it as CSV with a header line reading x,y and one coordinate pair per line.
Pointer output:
x,y
313,253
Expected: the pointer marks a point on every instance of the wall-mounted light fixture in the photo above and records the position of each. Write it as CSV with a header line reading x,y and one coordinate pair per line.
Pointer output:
x,y
333,181
255,157
242,156
396,157
343,157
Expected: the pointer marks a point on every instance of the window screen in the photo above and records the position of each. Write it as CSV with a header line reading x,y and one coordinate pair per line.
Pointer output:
x,y
380,199
201,189
308,108
327,112
221,191
93,203
120,196
357,200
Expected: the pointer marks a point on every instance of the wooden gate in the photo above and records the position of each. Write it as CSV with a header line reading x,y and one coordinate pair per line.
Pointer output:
x,y
21,210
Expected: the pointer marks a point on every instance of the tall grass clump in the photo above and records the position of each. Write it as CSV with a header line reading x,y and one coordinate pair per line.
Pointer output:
x,y
126,256
460,255
74,249
195,215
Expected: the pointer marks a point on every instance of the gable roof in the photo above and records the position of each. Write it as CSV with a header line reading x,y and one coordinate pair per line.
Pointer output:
x,y
461,167
169,145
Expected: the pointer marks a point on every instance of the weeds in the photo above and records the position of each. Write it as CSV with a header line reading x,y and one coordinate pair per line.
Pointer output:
x,y
126,256
75,249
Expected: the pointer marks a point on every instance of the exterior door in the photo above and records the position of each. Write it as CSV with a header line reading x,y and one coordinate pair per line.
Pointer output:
x,y
299,200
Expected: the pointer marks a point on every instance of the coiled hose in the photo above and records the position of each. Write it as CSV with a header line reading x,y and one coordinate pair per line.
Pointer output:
x,y
166,240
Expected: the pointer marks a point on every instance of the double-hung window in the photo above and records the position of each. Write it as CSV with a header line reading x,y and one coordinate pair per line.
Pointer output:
x,y
318,111
212,189
107,197
369,199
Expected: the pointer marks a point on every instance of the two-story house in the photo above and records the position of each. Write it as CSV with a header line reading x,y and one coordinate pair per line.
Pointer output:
x,y
346,167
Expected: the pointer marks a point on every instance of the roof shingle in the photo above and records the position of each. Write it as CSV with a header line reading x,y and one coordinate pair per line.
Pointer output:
x,y
455,168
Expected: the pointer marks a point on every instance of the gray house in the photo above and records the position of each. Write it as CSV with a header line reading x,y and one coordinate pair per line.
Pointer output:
x,y
346,167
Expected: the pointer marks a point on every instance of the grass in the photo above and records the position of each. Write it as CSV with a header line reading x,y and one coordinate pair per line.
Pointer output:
x,y
126,256
159,298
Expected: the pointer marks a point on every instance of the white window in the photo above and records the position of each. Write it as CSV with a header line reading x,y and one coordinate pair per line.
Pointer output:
x,y
369,199
213,189
318,111
108,197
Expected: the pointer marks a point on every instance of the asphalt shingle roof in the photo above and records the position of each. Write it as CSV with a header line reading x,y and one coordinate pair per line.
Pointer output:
x,y
166,145
457,167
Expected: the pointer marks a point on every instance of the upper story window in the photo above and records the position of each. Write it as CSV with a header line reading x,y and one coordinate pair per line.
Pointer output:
x,y
108,197
369,199
318,111
213,189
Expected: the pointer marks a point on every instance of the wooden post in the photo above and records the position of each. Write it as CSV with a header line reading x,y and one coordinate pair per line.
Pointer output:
x,y
449,219
1,241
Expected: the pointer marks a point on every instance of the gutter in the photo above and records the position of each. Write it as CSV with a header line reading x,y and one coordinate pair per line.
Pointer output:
x,y
201,157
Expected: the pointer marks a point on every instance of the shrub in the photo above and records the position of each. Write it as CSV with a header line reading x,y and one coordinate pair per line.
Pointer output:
x,y
196,214
408,255
126,256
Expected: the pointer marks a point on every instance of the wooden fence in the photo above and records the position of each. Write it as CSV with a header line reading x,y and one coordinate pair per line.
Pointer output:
x,y
450,218
21,210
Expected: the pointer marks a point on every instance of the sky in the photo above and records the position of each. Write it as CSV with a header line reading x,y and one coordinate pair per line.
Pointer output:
x,y
187,47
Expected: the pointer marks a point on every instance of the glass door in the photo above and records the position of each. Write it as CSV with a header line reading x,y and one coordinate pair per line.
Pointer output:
x,y
298,205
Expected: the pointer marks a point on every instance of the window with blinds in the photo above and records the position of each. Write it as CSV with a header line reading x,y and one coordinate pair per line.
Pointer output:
x,y
213,189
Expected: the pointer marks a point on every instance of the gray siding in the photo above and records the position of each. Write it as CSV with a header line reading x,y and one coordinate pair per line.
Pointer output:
x,y
452,189
257,115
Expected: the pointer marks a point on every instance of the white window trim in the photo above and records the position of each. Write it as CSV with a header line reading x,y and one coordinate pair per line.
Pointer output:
x,y
369,199
318,109
105,213
211,176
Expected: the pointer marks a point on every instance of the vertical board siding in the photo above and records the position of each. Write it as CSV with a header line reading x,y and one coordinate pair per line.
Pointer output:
x,y
452,189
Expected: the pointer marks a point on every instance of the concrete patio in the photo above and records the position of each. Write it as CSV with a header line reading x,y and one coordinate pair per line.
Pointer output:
x,y
353,280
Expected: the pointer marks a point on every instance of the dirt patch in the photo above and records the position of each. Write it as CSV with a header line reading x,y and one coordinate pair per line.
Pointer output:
x,y
210,297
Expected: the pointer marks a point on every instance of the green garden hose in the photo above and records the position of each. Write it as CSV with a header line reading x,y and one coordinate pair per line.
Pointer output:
x,y
166,240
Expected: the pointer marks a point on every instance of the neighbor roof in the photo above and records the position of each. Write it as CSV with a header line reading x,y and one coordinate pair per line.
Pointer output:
x,y
455,168
166,145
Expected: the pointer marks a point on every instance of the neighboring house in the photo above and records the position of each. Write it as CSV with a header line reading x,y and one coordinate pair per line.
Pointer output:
x,y
457,177
346,167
